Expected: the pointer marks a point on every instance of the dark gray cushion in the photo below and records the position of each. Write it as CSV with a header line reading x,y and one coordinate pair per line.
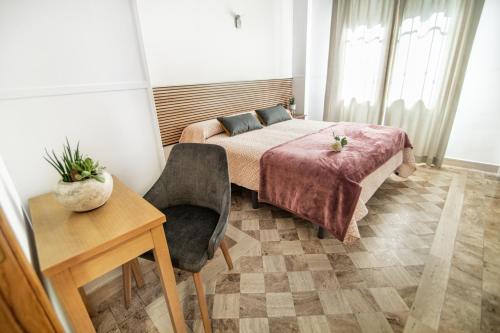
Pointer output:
x,y
273,115
238,124
188,230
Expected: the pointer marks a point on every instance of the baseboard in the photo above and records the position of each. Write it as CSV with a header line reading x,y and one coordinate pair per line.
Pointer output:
x,y
491,168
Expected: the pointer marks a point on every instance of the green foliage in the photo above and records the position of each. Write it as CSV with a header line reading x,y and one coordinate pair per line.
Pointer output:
x,y
292,101
73,166
341,139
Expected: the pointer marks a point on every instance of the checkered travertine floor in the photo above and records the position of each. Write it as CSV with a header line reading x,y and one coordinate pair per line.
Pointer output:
x,y
287,280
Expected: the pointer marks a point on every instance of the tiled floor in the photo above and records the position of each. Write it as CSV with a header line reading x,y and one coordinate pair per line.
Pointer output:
x,y
428,261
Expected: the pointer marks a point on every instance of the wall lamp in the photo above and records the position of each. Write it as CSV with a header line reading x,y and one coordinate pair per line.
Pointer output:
x,y
237,21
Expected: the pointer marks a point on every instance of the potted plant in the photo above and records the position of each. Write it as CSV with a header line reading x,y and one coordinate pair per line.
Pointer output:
x,y
84,184
292,105
338,142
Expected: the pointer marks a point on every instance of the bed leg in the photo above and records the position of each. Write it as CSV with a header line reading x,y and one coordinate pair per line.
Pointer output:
x,y
321,232
255,200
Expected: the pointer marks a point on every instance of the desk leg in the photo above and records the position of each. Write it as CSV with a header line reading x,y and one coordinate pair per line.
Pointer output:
x,y
127,283
70,297
136,271
164,265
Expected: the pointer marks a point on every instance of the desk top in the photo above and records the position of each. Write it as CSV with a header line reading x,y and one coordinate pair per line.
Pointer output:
x,y
64,238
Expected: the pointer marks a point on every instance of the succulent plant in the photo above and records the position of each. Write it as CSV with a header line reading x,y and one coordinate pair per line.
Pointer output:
x,y
73,166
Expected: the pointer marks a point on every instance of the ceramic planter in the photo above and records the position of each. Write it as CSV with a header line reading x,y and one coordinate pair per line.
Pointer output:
x,y
84,195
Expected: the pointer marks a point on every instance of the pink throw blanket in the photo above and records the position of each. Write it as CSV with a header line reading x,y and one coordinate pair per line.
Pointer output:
x,y
307,178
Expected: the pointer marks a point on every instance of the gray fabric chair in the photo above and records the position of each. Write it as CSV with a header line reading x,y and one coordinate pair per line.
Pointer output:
x,y
194,192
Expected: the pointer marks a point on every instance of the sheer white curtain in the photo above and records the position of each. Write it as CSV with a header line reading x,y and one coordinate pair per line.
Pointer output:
x,y
419,77
432,48
360,38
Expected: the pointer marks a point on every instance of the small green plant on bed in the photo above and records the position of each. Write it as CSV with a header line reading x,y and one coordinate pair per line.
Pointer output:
x,y
338,142
73,166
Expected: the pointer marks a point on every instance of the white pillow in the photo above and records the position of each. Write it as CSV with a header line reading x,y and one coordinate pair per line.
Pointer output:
x,y
200,132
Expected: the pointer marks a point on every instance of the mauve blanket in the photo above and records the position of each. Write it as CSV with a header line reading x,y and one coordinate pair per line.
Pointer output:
x,y
307,178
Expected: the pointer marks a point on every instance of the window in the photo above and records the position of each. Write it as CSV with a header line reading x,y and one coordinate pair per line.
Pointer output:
x,y
364,52
420,60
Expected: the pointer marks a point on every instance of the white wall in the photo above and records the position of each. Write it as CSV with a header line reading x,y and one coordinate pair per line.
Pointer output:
x,y
311,40
476,130
10,204
320,13
74,69
300,13
115,128
195,41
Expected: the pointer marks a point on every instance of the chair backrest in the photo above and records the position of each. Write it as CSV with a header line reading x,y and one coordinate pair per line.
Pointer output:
x,y
195,174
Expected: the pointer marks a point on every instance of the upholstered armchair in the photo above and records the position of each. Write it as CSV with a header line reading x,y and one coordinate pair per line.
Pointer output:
x,y
194,192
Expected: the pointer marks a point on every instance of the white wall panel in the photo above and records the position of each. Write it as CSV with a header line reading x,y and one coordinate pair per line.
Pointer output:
x,y
476,131
75,69
61,43
195,41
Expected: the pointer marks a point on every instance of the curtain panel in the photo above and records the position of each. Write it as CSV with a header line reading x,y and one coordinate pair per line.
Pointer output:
x,y
360,36
412,78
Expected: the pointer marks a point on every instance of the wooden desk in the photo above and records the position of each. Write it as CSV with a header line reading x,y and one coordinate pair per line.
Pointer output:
x,y
75,248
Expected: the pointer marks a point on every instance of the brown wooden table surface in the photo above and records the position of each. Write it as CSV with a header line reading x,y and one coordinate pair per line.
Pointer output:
x,y
75,248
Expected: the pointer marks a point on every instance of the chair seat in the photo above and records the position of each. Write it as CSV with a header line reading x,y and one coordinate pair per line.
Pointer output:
x,y
188,230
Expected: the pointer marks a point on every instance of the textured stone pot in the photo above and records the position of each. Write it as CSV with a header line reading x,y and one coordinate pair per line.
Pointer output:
x,y
85,195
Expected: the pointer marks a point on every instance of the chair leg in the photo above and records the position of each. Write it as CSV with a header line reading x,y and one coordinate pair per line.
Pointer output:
x,y
225,252
202,302
127,283
136,271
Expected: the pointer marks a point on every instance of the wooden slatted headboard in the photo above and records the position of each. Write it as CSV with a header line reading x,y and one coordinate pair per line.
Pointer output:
x,y
180,106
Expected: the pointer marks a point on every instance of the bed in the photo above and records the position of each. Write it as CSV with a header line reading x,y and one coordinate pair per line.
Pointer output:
x,y
245,153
